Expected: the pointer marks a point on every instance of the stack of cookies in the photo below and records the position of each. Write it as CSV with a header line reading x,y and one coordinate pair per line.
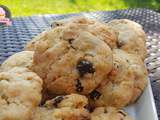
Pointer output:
x,y
79,69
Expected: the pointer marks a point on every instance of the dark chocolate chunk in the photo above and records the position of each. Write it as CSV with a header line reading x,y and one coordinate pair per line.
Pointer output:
x,y
85,66
120,44
105,111
70,40
79,87
89,108
57,100
127,60
94,95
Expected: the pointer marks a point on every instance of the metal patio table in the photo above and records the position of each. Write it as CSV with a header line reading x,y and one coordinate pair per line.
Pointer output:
x,y
13,38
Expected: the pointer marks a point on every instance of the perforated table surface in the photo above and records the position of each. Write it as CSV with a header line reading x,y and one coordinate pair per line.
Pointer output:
x,y
13,38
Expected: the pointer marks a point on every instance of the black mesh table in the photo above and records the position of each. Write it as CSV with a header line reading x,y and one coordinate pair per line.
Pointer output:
x,y
13,39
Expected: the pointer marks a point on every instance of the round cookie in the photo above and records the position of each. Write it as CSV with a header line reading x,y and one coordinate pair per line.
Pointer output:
x,y
127,81
20,59
140,76
131,36
65,113
98,29
69,107
20,93
109,113
72,100
71,60
117,90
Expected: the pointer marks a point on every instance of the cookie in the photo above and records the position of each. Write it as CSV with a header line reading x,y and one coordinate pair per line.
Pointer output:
x,y
20,59
72,100
71,60
131,36
117,89
20,93
77,20
109,113
127,81
140,76
30,46
65,113
96,28
69,107
139,72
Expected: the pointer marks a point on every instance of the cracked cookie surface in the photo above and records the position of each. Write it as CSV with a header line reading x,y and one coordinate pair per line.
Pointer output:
x,y
109,113
20,59
69,107
20,93
127,81
71,60
117,90
131,37
96,28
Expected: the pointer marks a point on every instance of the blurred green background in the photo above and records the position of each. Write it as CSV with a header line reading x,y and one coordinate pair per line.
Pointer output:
x,y
32,7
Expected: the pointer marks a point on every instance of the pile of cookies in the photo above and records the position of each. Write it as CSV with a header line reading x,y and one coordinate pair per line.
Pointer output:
x,y
79,69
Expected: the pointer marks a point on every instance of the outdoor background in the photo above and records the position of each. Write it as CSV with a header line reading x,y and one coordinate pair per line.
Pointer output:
x,y
32,7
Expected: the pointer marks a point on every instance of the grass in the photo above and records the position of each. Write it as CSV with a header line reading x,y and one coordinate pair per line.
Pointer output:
x,y
32,7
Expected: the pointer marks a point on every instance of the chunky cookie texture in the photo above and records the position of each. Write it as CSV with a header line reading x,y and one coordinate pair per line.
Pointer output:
x,y
138,71
75,57
140,76
20,94
69,107
20,59
71,60
98,29
118,91
72,100
65,113
30,46
131,37
126,81
109,113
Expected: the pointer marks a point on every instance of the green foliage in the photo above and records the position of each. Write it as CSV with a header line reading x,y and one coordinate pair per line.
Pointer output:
x,y
32,7
152,4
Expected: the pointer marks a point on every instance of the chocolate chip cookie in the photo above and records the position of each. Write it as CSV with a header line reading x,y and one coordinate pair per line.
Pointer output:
x,y
125,82
20,94
71,60
117,90
140,72
72,100
98,29
110,113
20,59
30,46
69,107
65,113
131,36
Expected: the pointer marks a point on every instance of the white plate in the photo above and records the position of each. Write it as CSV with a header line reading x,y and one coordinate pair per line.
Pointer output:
x,y
144,108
